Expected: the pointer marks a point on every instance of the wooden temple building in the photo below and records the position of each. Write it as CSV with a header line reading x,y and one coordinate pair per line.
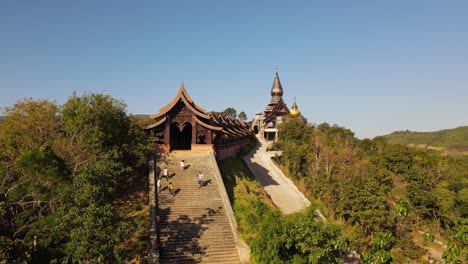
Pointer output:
x,y
266,124
184,125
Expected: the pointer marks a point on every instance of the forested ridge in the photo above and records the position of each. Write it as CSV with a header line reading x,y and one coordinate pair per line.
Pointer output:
x,y
454,141
62,172
392,201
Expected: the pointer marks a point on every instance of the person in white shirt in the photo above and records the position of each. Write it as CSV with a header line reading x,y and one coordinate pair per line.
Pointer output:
x,y
200,179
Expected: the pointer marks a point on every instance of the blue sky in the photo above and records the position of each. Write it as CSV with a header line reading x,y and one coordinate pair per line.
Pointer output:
x,y
371,66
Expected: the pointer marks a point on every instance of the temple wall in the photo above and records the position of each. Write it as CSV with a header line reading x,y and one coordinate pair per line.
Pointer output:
x,y
231,150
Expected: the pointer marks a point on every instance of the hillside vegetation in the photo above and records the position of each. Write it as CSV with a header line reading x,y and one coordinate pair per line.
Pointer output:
x,y
393,202
450,139
274,238
66,191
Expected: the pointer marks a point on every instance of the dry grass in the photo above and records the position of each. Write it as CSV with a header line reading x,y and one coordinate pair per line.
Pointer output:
x,y
435,249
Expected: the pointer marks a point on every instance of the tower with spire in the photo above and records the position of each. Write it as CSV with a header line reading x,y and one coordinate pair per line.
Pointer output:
x,y
276,89
266,124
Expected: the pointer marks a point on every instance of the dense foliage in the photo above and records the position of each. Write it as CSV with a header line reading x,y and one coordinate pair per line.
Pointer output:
x,y
60,171
386,195
274,238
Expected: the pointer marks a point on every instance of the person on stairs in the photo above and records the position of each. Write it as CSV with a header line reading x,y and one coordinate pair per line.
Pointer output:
x,y
171,189
159,185
182,164
200,179
166,174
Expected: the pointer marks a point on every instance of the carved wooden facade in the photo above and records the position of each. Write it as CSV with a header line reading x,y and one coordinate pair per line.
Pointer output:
x,y
182,124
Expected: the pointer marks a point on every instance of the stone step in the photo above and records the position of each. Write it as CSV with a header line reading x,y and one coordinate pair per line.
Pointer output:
x,y
172,254
193,225
227,244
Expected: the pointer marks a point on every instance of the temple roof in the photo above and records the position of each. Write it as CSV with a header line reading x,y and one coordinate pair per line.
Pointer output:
x,y
216,128
279,109
228,126
182,95
159,122
276,89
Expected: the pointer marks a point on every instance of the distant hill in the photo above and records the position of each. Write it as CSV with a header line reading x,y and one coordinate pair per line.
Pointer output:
x,y
452,140
141,116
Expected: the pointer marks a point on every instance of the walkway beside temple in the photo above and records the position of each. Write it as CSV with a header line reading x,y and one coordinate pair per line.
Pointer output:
x,y
281,189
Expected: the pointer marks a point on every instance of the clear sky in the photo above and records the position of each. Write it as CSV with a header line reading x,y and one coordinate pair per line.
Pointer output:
x,y
371,66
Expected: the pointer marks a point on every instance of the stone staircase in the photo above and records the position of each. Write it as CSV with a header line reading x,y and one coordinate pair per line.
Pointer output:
x,y
194,225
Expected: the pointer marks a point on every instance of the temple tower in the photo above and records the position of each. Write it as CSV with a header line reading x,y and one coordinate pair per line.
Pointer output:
x,y
266,125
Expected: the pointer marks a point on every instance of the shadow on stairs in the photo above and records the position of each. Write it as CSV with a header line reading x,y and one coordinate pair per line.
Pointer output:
x,y
194,225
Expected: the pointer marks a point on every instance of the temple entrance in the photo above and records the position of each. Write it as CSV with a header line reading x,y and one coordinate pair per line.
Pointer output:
x,y
256,130
269,136
181,139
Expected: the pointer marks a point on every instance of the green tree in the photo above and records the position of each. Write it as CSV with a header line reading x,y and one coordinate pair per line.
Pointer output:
x,y
298,238
229,112
95,120
96,125
28,124
14,251
293,135
58,179
243,116
312,241
381,246
30,174
403,208
364,203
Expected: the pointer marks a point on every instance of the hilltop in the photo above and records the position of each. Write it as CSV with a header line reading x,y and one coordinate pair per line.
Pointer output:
x,y
453,141
140,116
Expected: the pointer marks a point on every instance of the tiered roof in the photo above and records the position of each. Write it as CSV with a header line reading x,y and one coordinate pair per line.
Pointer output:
x,y
182,96
230,127
274,110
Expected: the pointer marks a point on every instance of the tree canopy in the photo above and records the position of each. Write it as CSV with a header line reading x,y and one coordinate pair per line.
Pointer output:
x,y
60,168
381,191
232,113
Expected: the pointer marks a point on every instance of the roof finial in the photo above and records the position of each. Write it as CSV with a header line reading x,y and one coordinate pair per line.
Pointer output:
x,y
276,70
295,110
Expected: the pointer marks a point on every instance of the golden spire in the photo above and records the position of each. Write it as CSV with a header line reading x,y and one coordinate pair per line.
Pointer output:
x,y
294,111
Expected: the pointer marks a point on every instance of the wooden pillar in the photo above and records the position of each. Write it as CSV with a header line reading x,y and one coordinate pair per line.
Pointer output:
x,y
194,131
209,137
167,132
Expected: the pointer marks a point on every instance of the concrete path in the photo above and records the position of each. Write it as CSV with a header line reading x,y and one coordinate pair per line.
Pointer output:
x,y
281,189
